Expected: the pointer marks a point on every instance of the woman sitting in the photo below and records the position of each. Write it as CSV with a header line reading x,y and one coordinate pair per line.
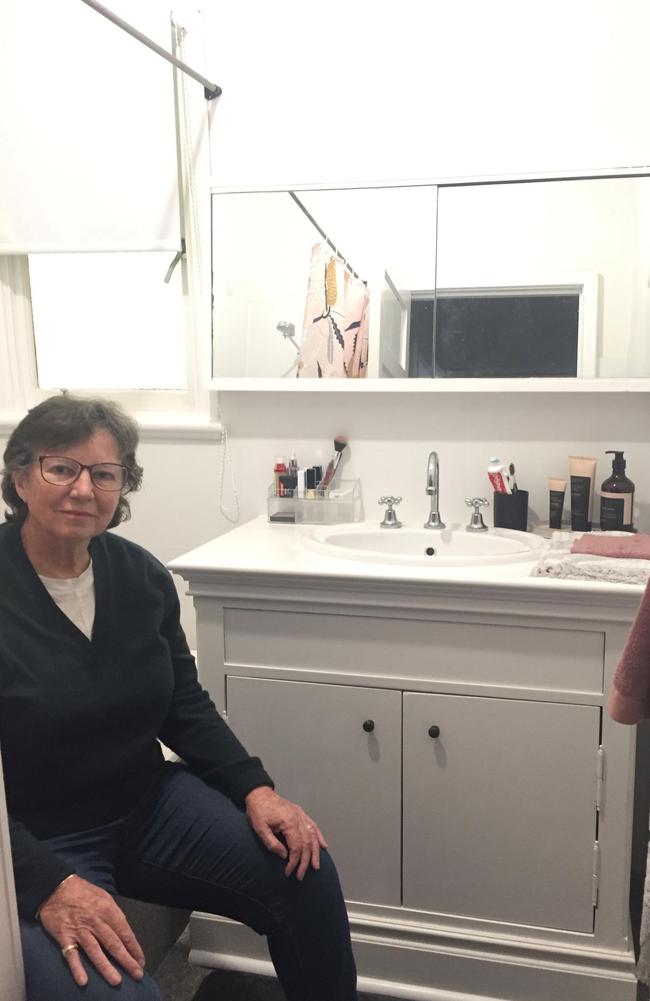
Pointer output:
x,y
94,670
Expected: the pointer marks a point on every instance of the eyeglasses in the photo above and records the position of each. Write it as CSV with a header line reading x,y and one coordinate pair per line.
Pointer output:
x,y
62,472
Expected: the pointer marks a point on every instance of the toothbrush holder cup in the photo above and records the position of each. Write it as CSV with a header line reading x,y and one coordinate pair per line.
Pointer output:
x,y
511,510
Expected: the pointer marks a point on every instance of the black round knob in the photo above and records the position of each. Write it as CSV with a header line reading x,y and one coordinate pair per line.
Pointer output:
x,y
369,725
434,731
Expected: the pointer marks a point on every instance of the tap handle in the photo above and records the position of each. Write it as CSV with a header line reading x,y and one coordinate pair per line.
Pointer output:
x,y
476,523
390,518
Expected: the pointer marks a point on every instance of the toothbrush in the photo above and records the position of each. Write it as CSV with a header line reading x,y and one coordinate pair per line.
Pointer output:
x,y
340,443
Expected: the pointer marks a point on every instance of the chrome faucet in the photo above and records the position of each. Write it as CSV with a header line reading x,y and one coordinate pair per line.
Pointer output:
x,y
432,489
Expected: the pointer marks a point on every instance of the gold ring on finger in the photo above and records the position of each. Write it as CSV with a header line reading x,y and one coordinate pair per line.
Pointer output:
x,y
69,948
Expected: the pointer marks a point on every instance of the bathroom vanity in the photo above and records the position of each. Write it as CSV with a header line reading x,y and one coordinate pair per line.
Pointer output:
x,y
446,727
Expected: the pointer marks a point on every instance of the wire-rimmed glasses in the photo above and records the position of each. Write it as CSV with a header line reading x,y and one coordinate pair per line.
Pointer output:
x,y
63,472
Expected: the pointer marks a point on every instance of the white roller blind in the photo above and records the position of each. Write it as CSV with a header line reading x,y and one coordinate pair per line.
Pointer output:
x,y
87,135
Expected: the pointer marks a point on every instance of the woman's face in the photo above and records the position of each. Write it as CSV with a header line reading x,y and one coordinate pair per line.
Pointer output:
x,y
76,512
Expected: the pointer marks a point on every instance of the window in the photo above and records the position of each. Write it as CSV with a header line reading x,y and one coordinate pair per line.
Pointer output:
x,y
107,321
106,324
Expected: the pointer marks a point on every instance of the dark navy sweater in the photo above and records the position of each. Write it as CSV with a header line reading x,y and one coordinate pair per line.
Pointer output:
x,y
79,719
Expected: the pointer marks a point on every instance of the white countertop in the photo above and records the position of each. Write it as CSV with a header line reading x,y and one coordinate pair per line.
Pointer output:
x,y
259,547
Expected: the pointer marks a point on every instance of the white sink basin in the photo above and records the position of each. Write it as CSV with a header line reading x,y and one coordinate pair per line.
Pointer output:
x,y
423,547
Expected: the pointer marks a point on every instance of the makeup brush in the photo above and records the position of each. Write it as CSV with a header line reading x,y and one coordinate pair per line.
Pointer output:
x,y
340,443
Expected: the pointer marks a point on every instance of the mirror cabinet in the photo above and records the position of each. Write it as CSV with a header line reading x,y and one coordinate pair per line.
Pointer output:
x,y
507,284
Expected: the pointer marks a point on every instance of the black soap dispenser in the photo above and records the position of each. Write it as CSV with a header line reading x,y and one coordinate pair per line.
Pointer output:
x,y
617,498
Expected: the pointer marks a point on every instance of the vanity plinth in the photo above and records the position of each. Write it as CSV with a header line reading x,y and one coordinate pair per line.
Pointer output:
x,y
447,729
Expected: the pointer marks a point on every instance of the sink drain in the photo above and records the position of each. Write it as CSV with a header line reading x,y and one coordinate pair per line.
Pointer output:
x,y
429,551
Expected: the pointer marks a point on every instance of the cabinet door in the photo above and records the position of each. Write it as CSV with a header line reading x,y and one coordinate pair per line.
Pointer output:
x,y
312,742
499,809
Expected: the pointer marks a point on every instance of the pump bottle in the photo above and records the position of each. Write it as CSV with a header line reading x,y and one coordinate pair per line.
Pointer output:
x,y
617,498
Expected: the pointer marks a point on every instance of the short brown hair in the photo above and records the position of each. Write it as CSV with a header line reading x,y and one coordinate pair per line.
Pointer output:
x,y
67,420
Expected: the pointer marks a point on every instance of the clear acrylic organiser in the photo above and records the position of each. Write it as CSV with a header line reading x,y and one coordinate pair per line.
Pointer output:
x,y
341,504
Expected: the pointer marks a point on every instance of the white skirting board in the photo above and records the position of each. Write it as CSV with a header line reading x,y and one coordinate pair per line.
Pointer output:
x,y
466,971
265,968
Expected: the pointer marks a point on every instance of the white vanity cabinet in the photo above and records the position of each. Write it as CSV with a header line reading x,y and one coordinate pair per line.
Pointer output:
x,y
500,812
450,738
311,740
500,773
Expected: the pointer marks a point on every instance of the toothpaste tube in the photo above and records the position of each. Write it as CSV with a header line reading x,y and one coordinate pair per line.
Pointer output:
x,y
497,476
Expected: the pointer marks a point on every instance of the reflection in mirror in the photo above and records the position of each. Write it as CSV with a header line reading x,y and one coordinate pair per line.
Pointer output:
x,y
514,333
532,279
545,278
317,284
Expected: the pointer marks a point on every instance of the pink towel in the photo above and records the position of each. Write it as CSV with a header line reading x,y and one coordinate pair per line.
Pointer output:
x,y
635,547
629,697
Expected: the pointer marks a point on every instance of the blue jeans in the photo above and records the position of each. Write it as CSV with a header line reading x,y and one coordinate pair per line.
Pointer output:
x,y
187,845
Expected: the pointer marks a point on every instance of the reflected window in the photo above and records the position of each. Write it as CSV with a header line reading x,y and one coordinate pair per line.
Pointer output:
x,y
492,336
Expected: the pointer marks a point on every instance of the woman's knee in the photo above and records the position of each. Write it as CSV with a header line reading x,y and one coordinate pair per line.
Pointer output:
x,y
48,977
318,894
325,880
40,988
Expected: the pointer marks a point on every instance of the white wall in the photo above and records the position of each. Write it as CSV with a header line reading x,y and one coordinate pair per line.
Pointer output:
x,y
390,439
371,89
178,505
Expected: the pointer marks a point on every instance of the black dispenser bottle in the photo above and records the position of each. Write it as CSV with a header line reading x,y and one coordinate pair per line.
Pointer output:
x,y
617,498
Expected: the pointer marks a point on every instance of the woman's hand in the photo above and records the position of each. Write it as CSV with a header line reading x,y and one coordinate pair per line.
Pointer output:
x,y
270,814
81,914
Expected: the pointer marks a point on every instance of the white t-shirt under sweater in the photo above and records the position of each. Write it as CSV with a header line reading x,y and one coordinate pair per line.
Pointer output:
x,y
76,598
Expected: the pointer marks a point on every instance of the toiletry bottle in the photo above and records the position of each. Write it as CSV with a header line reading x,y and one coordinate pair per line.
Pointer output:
x,y
557,490
279,469
287,485
617,498
497,476
300,482
310,483
582,473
